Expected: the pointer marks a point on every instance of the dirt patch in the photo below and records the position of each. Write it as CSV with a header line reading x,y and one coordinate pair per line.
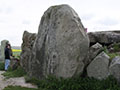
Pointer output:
x,y
20,81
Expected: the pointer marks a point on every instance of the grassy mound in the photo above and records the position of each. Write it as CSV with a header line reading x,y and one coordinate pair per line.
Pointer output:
x,y
2,65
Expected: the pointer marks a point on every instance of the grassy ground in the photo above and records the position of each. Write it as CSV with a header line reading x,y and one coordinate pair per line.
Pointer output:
x,y
2,66
52,83
19,72
18,88
78,83
112,54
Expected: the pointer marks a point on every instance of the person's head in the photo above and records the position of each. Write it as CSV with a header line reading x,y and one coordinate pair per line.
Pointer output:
x,y
8,46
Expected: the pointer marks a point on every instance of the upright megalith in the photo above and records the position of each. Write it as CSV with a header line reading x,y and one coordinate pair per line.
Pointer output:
x,y
28,41
61,44
2,49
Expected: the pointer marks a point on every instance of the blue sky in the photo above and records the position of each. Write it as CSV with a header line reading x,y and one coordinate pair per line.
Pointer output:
x,y
19,15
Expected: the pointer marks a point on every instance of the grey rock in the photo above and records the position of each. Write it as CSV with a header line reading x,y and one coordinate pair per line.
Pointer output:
x,y
98,68
94,50
14,63
114,68
61,44
2,49
28,41
104,37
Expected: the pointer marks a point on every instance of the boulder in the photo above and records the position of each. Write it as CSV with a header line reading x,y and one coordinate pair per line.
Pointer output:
x,y
94,50
61,44
104,37
28,41
98,68
2,49
114,68
14,63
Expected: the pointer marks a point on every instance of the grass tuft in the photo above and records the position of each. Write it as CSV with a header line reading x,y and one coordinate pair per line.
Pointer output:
x,y
116,46
2,65
19,72
18,88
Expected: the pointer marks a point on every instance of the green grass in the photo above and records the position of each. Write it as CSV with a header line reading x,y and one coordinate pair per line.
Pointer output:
x,y
116,46
18,88
105,49
78,83
16,54
2,65
19,72
112,55
52,83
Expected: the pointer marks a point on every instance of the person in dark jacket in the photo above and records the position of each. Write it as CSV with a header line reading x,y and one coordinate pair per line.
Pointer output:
x,y
7,56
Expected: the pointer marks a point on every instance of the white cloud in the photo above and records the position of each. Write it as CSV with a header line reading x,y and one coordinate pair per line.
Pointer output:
x,y
19,15
26,22
108,21
87,17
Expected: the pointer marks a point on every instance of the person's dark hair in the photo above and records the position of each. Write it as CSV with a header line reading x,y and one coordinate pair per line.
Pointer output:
x,y
8,45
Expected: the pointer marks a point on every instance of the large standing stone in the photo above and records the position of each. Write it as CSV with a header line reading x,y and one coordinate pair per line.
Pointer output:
x,y
2,49
98,68
61,44
115,68
28,41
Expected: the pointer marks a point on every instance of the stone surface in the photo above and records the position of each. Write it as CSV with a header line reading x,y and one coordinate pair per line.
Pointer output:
x,y
2,49
98,68
14,63
28,41
94,50
104,37
115,68
61,44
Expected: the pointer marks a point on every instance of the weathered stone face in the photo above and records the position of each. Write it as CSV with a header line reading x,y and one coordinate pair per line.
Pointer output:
x,y
115,68
98,68
104,37
14,63
61,44
28,41
94,50
2,49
